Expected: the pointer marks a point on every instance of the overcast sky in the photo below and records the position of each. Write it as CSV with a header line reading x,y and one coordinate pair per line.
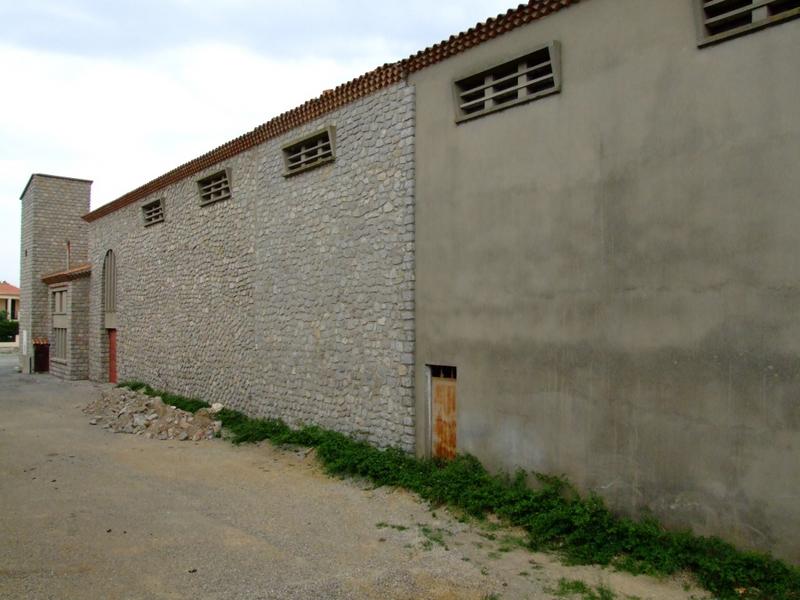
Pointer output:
x,y
121,92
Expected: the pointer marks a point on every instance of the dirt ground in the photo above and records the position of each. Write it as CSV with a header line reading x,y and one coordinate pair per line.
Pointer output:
x,y
85,513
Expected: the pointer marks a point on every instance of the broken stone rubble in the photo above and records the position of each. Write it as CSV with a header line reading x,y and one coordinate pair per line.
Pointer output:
x,y
124,411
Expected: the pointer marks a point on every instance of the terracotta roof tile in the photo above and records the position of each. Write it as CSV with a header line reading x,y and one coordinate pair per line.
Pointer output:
x,y
40,341
6,289
346,93
68,275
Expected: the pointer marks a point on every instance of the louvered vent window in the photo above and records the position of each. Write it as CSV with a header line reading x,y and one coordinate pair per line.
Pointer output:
x,y
60,343
153,212
515,82
309,152
215,187
722,19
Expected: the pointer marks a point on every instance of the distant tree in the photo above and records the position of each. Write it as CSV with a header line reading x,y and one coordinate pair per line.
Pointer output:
x,y
3,315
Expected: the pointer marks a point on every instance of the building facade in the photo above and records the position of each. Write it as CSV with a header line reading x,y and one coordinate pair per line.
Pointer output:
x,y
54,238
563,241
9,300
296,287
613,268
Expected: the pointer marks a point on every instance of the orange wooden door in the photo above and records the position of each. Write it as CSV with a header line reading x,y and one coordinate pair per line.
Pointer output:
x,y
112,356
443,395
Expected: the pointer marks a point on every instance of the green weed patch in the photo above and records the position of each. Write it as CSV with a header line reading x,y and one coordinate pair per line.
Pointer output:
x,y
568,588
582,529
188,404
384,525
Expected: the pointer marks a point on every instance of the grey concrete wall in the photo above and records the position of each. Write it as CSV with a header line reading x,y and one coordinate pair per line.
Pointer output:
x,y
614,270
52,208
293,299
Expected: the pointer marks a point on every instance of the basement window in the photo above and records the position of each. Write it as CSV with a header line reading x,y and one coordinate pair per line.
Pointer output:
x,y
153,212
529,77
309,152
443,371
215,187
722,19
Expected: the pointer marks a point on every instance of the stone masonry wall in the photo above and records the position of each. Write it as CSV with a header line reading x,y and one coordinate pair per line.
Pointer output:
x,y
79,324
26,282
292,299
52,208
184,290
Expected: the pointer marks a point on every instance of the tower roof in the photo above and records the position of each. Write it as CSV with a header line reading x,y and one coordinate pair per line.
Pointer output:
x,y
30,180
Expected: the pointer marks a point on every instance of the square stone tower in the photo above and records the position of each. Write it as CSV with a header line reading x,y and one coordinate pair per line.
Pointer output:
x,y
54,238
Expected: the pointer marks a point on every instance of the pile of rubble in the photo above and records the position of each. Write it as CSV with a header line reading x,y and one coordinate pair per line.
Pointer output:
x,y
124,411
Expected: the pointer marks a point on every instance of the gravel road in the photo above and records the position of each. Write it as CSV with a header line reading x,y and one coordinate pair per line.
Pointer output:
x,y
85,513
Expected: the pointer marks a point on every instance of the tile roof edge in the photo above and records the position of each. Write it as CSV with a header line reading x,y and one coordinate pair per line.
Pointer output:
x,y
68,275
10,287
344,94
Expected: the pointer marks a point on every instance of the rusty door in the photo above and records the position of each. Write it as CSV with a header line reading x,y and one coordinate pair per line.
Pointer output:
x,y
443,413
112,356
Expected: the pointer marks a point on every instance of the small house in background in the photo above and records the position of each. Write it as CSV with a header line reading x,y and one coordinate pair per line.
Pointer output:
x,y
9,300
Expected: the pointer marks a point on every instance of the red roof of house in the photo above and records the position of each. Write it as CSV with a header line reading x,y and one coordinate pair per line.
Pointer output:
x,y
6,289
344,94
68,275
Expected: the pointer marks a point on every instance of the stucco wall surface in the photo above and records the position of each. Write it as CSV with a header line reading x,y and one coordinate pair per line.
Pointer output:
x,y
292,299
614,269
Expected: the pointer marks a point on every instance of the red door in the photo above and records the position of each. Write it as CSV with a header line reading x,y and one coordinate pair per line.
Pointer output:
x,y
112,356
444,417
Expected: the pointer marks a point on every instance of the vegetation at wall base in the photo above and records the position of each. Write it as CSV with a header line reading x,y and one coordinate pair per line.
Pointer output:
x,y
191,405
582,529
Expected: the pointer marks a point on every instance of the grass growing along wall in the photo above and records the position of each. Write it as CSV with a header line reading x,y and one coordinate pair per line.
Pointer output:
x,y
188,404
555,516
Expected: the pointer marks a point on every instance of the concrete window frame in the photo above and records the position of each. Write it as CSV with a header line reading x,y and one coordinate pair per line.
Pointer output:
x,y
743,17
59,301
215,187
153,212
309,152
60,347
110,290
539,70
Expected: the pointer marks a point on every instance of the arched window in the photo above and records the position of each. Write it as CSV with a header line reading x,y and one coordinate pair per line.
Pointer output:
x,y
110,283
